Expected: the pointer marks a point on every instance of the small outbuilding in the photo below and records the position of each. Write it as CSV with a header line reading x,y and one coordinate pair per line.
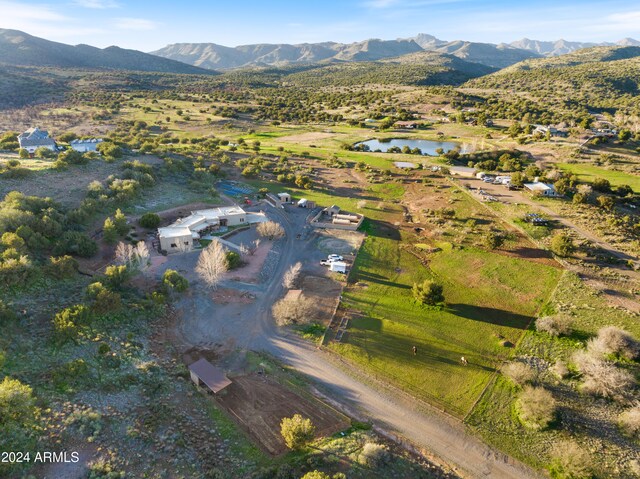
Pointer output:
x,y
203,372
90,144
35,138
338,267
284,197
542,189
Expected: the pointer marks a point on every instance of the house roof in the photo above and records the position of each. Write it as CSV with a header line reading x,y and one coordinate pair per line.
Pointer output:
x,y
87,141
35,137
538,186
174,232
213,377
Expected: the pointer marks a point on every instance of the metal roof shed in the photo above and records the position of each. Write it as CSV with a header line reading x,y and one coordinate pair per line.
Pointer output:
x,y
213,377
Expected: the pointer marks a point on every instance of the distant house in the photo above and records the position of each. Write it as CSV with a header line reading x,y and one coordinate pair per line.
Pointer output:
x,y
180,235
334,218
542,189
409,125
35,138
551,130
86,145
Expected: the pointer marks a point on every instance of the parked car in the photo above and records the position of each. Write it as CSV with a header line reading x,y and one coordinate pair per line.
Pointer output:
x,y
325,262
334,257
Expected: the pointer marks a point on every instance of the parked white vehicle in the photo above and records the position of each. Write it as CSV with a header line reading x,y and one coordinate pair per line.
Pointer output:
x,y
334,257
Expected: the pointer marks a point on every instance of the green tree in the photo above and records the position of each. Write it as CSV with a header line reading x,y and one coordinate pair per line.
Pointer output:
x,y
109,231
17,403
66,323
493,240
22,153
297,431
149,220
606,202
624,135
174,281
428,292
120,222
562,245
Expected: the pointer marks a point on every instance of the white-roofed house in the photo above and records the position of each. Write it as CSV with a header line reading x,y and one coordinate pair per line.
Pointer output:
x,y
542,189
180,235
90,144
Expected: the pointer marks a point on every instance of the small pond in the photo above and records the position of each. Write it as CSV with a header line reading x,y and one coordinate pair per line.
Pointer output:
x,y
428,147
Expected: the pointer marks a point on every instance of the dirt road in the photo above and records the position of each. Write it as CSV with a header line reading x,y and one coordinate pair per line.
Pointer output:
x,y
251,327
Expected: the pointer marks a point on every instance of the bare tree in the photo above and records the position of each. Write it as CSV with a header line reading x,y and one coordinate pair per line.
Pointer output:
x,y
290,310
142,253
271,230
603,378
124,254
244,250
254,247
212,264
132,257
291,275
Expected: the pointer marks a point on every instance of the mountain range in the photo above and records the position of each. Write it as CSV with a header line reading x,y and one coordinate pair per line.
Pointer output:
x,y
19,48
219,57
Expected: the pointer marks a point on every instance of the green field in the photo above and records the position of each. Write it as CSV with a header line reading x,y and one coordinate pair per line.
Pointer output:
x,y
490,299
590,173
493,419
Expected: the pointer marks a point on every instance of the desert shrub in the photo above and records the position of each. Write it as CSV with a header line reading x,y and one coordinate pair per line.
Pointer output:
x,y
519,373
603,378
14,270
560,369
613,340
6,313
149,220
233,260
316,475
292,311
174,281
556,325
428,293
374,455
73,242
562,245
629,422
67,323
62,267
536,407
103,468
493,240
103,300
270,230
570,461
297,431
116,276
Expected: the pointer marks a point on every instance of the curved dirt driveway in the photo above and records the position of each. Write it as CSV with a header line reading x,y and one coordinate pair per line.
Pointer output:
x,y
255,330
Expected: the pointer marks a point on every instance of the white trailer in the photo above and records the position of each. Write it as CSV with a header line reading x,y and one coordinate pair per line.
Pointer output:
x,y
338,267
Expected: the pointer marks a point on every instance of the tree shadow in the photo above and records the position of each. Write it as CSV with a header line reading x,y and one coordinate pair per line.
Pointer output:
x,y
532,253
495,316
382,229
378,279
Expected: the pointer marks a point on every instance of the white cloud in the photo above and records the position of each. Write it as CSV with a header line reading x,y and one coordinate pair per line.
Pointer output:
x,y
96,4
135,24
20,12
405,4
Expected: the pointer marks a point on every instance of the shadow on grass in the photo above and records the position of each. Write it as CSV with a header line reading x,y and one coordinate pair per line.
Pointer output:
x,y
382,229
495,316
378,279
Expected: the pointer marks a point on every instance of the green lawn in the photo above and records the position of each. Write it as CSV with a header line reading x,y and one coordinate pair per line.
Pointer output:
x,y
490,298
590,173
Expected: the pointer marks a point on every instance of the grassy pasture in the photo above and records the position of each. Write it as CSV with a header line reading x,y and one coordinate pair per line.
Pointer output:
x,y
590,173
490,299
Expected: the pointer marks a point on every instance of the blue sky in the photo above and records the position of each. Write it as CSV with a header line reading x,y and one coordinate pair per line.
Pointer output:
x,y
148,25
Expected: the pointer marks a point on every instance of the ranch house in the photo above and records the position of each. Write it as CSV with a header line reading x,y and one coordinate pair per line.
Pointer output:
x,y
35,138
181,235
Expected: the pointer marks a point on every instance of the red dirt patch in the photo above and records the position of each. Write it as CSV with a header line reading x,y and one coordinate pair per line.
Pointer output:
x,y
258,404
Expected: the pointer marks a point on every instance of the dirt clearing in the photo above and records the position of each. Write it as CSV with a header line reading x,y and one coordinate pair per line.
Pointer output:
x,y
258,404
307,137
